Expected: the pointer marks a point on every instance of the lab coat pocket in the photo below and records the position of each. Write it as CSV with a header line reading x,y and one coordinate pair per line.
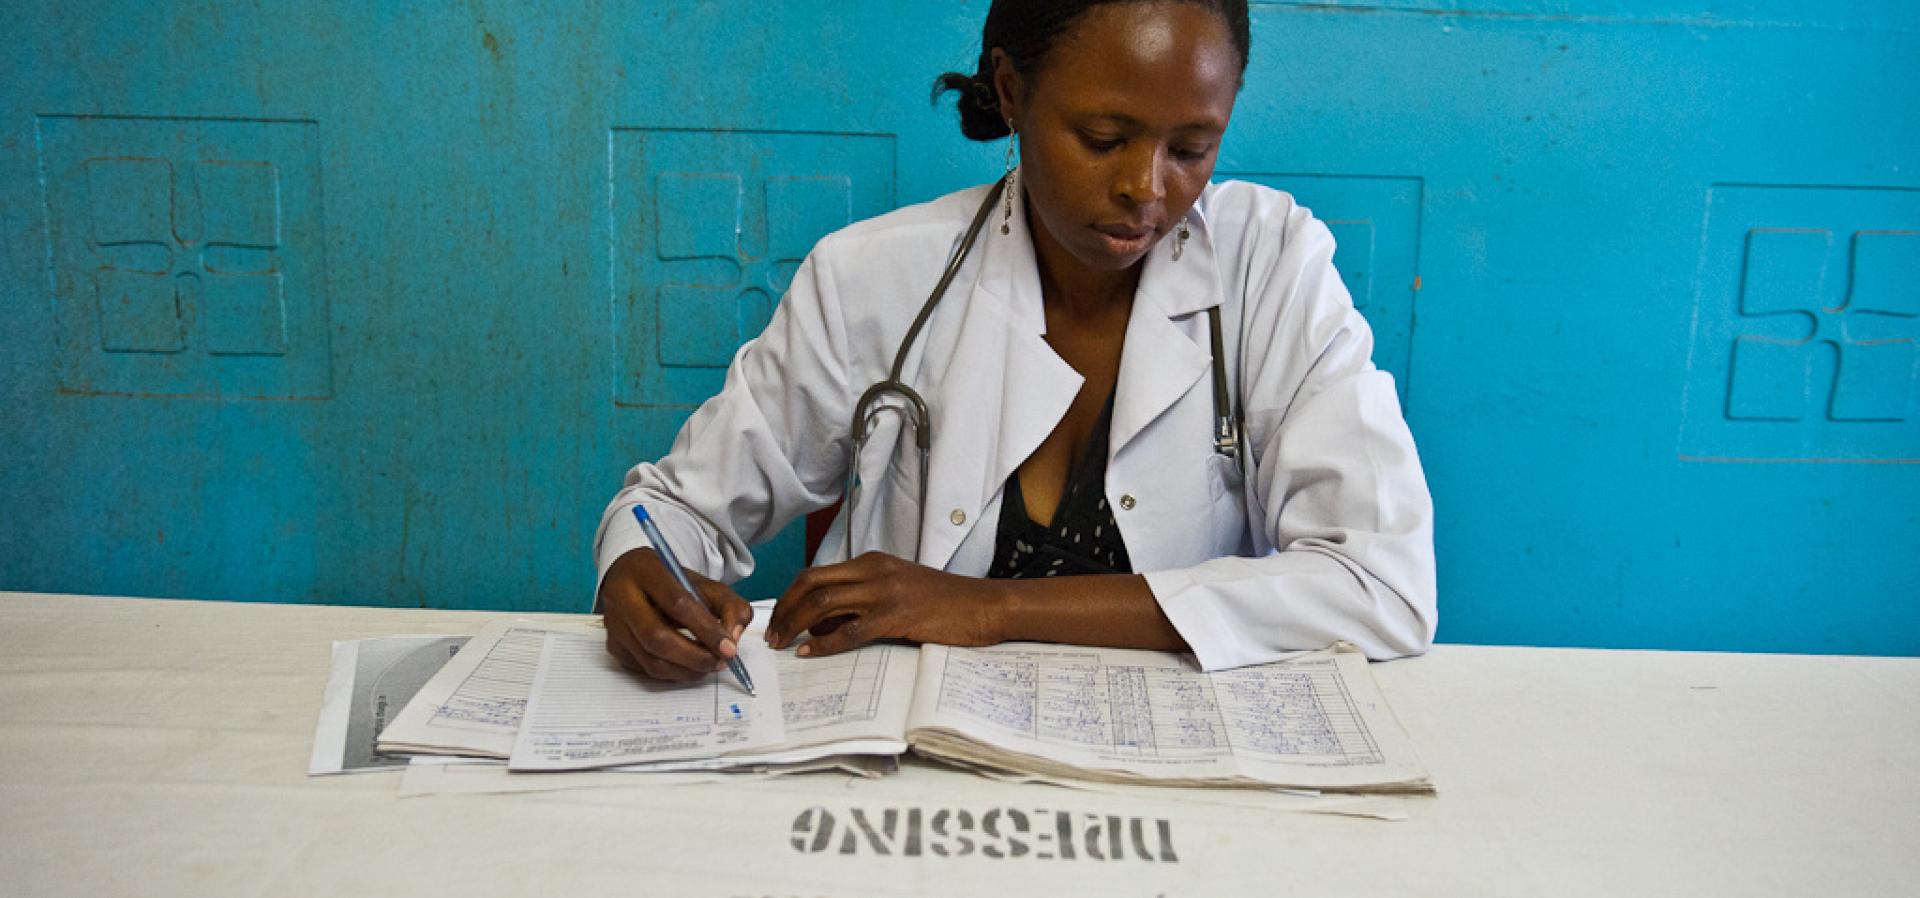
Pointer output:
x,y
887,518
1223,474
1229,524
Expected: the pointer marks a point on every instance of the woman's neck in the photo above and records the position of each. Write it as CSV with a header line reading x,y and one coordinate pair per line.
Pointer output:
x,y
1073,290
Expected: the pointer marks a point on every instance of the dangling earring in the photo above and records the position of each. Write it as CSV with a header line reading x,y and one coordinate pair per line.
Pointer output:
x,y
1180,239
1013,179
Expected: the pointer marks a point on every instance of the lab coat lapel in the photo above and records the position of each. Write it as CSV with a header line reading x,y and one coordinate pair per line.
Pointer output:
x,y
1168,347
999,393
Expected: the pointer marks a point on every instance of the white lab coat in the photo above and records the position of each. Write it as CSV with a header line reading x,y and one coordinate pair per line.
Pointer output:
x,y
1332,541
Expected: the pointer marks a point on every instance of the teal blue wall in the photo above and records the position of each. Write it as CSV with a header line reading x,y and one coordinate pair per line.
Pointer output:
x,y
373,302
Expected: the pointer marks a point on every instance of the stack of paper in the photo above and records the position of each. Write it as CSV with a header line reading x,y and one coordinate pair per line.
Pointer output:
x,y
546,698
1065,713
369,682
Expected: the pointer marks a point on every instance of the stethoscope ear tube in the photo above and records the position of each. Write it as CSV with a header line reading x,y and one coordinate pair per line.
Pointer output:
x,y
916,407
940,288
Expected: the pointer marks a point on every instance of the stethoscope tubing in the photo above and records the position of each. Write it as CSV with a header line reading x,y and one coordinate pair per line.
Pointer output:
x,y
916,407
1228,426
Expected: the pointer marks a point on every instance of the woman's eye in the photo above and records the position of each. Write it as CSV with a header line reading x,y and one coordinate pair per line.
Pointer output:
x,y
1100,144
1191,154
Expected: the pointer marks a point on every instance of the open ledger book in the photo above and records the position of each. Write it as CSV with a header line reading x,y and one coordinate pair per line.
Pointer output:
x,y
549,698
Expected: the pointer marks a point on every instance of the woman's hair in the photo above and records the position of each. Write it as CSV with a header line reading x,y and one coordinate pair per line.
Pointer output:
x,y
1028,30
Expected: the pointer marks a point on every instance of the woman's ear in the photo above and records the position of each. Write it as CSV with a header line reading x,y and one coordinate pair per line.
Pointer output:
x,y
1008,86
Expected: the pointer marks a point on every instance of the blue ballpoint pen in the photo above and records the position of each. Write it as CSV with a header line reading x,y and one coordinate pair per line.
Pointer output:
x,y
665,552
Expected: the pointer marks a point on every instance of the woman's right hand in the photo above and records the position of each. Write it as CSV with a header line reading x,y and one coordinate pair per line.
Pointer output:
x,y
646,612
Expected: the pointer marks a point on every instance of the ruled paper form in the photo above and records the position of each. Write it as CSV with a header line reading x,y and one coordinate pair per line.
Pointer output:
x,y
585,711
1312,721
472,707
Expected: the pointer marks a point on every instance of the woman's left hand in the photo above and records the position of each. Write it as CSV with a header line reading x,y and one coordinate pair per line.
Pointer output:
x,y
878,596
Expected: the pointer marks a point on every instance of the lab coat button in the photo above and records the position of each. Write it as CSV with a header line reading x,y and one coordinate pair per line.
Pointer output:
x,y
1126,502
958,517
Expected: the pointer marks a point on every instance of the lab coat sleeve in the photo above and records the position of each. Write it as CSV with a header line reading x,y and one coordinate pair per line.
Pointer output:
x,y
1336,484
770,447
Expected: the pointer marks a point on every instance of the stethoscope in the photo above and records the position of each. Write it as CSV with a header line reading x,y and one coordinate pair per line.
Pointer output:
x,y
1227,426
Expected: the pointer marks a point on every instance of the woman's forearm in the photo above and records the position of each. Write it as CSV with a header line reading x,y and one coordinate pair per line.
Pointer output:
x,y
1106,610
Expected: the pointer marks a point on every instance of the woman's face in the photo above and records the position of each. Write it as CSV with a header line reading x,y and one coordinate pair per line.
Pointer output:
x,y
1120,127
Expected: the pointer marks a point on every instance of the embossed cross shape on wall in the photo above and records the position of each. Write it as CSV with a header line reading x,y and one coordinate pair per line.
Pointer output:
x,y
187,255
1795,306
720,287
708,229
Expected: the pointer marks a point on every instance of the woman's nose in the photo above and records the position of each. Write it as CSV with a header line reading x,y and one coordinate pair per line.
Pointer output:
x,y
1140,181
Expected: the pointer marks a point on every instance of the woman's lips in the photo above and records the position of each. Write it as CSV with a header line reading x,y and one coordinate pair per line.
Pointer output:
x,y
1124,241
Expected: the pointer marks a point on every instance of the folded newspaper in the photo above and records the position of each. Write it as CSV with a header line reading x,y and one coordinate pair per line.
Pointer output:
x,y
548,697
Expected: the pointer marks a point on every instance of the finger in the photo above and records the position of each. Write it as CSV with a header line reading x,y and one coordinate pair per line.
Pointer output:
x,y
852,570
782,627
662,669
629,614
620,646
810,612
803,583
622,653
648,667
654,638
734,612
625,648
849,633
669,646
685,610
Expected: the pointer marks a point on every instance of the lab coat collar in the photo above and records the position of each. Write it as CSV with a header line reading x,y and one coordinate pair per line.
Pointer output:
x,y
1009,268
1186,285
1168,347
998,392
1001,389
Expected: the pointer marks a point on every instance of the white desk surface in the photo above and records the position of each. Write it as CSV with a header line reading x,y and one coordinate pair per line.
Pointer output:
x,y
159,747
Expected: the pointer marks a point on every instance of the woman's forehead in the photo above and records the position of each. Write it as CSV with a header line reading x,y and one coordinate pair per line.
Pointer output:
x,y
1169,64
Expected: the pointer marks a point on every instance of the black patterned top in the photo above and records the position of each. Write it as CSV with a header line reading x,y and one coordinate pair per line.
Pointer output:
x,y
1084,537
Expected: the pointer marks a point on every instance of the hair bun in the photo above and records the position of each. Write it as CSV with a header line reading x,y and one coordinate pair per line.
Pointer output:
x,y
1026,31
977,103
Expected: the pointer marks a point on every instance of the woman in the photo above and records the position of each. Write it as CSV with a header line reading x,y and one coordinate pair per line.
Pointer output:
x,y
1067,373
